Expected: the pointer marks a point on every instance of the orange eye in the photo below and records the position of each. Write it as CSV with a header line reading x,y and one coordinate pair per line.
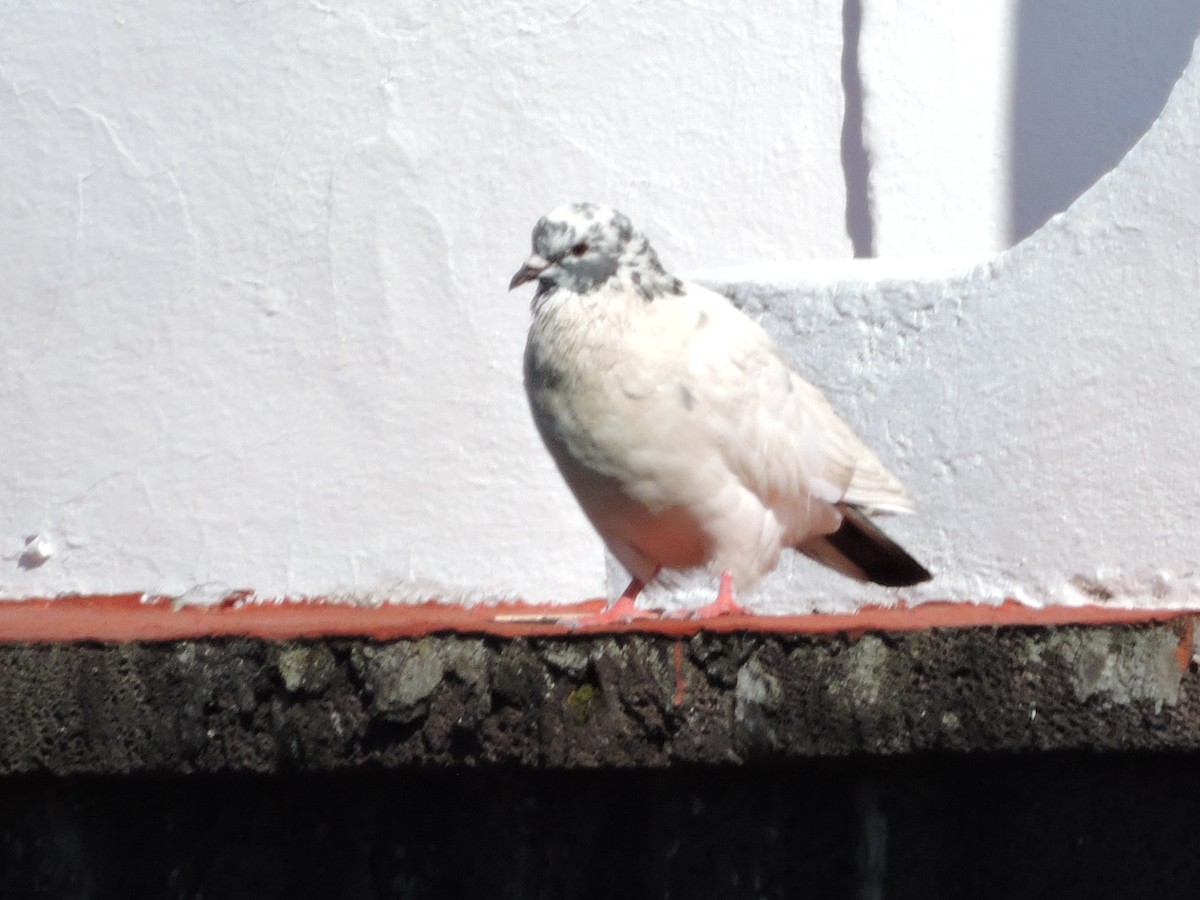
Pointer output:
x,y
579,249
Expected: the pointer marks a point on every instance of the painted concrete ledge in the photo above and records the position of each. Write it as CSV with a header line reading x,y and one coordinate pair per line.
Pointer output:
x,y
291,699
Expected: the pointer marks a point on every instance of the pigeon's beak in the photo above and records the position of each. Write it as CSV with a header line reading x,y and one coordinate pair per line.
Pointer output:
x,y
534,266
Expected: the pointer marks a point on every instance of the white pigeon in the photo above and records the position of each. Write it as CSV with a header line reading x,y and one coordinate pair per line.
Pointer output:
x,y
680,428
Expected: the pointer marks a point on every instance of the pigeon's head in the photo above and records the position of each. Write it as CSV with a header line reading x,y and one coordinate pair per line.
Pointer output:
x,y
582,246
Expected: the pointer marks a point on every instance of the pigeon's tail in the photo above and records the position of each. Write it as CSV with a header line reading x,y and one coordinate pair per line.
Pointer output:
x,y
861,550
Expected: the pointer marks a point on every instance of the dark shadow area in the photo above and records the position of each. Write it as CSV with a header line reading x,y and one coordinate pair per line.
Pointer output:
x,y
856,165
1053,826
1089,79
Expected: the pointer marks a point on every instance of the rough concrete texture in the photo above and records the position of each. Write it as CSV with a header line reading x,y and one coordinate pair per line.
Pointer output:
x,y
243,705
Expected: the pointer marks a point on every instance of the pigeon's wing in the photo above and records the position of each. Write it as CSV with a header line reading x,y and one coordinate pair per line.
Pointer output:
x,y
872,486
776,431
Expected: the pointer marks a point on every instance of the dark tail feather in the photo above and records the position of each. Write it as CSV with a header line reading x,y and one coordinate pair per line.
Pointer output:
x,y
869,551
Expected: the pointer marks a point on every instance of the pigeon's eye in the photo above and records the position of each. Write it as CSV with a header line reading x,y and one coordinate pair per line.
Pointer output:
x,y
579,249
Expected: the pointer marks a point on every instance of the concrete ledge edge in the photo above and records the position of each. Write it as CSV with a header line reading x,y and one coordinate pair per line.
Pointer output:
x,y
640,700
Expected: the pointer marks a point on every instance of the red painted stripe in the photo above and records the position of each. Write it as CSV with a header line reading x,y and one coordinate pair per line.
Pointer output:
x,y
129,617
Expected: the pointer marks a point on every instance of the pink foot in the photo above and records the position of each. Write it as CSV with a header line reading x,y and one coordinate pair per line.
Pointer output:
x,y
724,605
624,610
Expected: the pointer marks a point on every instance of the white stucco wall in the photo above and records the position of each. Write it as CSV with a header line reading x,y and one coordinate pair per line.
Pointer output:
x,y
937,78
257,331
257,334
1041,404
984,119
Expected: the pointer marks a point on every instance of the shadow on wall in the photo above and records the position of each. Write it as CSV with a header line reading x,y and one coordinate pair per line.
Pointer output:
x,y
1089,79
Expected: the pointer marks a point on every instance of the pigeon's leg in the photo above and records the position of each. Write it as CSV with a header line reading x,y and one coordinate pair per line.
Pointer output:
x,y
624,610
724,605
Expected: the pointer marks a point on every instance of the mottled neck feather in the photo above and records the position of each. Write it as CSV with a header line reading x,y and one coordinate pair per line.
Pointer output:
x,y
640,269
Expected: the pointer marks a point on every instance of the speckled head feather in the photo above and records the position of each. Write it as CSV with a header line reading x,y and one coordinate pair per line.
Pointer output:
x,y
580,247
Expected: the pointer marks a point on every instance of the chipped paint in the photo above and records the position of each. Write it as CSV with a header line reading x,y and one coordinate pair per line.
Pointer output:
x,y
37,551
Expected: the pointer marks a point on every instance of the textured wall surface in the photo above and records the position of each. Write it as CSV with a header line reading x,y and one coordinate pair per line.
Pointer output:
x,y
257,334
257,331
1041,404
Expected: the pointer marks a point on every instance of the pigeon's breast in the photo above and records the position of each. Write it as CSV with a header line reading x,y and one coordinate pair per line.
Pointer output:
x,y
572,366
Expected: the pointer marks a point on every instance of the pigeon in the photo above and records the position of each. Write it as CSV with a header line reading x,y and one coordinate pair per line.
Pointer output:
x,y
680,428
